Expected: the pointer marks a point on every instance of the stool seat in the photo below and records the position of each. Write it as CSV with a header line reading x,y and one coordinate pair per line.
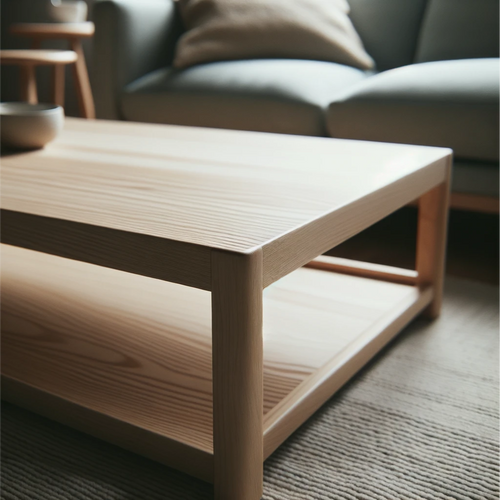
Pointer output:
x,y
27,60
54,30
73,33
37,57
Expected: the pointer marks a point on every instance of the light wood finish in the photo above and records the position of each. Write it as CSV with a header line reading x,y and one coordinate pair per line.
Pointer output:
x,y
58,85
224,211
237,360
318,236
28,88
298,406
73,32
88,335
53,30
431,241
150,256
219,189
37,57
476,203
82,82
364,269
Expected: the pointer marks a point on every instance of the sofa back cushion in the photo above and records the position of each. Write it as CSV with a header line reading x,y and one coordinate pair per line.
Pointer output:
x,y
389,29
458,29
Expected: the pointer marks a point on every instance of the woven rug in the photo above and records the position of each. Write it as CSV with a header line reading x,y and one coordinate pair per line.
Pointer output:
x,y
419,422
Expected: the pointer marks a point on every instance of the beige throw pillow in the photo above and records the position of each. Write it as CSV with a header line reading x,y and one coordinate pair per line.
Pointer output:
x,y
248,29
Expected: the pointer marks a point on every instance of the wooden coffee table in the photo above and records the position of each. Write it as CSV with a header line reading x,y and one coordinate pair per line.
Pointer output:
x,y
180,323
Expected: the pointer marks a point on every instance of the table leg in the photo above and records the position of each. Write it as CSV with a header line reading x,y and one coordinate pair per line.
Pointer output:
x,y
83,89
237,364
28,84
433,209
58,85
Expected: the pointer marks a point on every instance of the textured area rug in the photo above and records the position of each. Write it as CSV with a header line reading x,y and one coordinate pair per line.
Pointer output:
x,y
419,422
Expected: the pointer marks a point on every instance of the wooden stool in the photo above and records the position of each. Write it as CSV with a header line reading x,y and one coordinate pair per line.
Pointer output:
x,y
27,60
73,32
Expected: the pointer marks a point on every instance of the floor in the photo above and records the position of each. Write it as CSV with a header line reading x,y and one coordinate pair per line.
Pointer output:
x,y
473,244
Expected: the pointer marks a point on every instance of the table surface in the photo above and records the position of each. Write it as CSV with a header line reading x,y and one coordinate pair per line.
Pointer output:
x,y
157,200
221,189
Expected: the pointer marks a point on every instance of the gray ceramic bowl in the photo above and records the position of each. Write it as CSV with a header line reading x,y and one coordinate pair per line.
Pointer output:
x,y
29,126
68,11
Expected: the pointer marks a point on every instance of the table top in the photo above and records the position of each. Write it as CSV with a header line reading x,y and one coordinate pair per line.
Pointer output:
x,y
292,196
54,30
39,56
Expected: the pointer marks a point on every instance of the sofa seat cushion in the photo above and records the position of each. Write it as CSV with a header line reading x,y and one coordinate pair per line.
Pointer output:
x,y
448,103
268,95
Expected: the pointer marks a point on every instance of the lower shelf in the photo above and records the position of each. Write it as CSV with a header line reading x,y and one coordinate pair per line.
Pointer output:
x,y
128,358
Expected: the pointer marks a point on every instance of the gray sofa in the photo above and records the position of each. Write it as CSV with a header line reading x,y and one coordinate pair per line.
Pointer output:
x,y
436,82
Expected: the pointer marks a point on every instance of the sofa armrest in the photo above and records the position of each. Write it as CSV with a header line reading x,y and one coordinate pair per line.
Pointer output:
x,y
132,38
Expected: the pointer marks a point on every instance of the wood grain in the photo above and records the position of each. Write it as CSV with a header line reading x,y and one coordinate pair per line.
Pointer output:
x,y
138,350
300,246
295,197
237,364
300,404
364,269
172,261
432,235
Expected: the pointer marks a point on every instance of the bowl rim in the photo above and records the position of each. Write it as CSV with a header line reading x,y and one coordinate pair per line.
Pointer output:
x,y
26,109
67,3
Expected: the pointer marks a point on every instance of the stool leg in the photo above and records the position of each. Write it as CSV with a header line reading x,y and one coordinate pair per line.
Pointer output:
x,y
28,84
84,92
58,85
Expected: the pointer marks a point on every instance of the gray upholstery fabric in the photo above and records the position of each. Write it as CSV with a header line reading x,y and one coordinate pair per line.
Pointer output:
x,y
459,29
450,103
132,39
389,29
453,104
270,95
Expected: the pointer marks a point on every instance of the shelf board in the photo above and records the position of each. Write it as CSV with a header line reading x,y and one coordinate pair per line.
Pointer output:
x,y
128,358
